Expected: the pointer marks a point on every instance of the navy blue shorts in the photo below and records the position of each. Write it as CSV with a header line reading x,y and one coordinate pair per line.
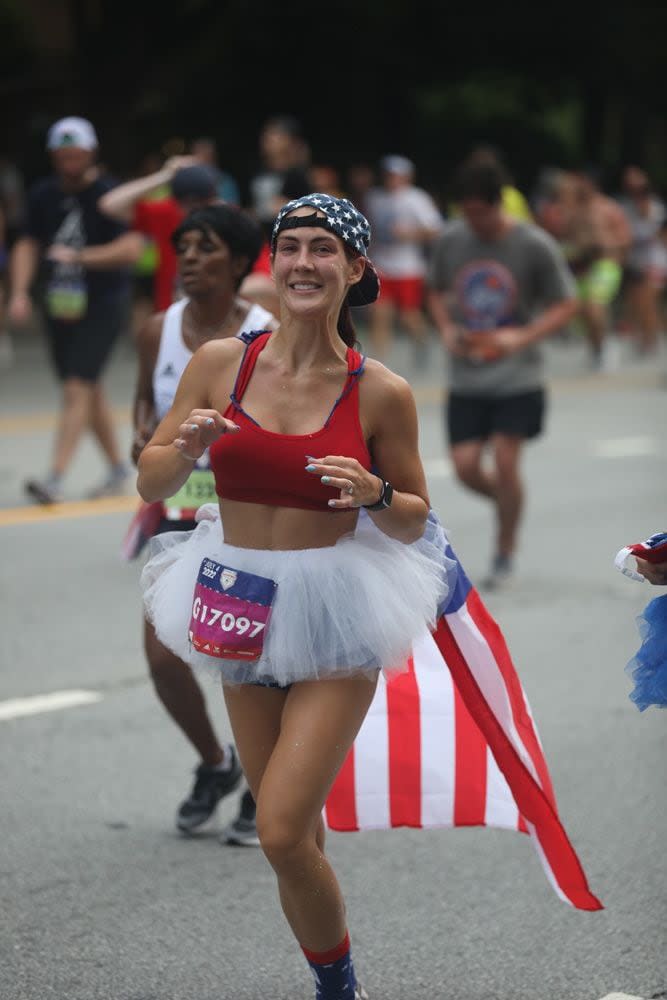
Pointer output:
x,y
477,418
81,349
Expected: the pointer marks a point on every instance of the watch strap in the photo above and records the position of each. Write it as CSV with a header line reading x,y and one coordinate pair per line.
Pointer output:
x,y
386,494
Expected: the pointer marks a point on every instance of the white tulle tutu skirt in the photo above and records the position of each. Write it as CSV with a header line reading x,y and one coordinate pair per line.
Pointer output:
x,y
356,606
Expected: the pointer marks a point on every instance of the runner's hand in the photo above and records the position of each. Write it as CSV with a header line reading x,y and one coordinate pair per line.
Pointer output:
x,y
60,253
489,345
453,338
357,486
655,573
176,163
200,430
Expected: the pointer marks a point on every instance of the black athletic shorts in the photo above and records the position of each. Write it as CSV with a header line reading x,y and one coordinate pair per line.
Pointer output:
x,y
81,349
164,525
476,418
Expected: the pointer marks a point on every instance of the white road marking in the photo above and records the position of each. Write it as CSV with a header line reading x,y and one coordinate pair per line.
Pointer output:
x,y
625,447
620,996
437,468
13,708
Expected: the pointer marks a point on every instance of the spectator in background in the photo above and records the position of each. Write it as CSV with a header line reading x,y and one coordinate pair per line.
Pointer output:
x,y
360,178
284,174
646,260
6,345
514,204
547,201
596,239
145,270
205,150
189,185
84,262
405,220
497,287
12,203
326,178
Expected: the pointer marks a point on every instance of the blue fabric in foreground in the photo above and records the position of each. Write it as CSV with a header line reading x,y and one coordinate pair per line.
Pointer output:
x,y
648,668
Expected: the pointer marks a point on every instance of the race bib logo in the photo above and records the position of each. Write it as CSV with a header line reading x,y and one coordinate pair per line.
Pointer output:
x,y
228,578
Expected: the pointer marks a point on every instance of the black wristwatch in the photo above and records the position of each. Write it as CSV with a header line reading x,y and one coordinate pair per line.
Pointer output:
x,y
386,495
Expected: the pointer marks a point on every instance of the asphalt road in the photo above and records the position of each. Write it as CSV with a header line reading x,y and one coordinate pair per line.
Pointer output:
x,y
101,899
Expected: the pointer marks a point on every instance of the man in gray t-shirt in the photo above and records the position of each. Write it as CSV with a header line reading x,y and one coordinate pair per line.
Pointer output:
x,y
496,288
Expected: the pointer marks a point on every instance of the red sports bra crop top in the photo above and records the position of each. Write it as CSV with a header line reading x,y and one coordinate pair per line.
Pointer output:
x,y
259,466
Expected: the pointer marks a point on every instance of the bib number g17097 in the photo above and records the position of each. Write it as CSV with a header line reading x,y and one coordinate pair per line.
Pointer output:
x,y
231,610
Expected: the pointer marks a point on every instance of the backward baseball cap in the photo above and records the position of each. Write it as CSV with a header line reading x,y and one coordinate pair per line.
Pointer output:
x,y
72,132
341,217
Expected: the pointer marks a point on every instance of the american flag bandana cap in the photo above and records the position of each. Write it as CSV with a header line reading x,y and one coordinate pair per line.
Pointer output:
x,y
347,222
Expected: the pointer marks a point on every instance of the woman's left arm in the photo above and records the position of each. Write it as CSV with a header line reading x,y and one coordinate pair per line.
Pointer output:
x,y
395,450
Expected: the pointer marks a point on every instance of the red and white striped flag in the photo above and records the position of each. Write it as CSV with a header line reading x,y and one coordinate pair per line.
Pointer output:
x,y
452,742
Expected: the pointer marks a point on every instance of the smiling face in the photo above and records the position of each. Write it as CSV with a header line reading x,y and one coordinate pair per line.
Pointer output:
x,y
312,270
205,263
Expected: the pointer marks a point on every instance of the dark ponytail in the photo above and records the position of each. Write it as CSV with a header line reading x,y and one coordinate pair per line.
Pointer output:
x,y
346,329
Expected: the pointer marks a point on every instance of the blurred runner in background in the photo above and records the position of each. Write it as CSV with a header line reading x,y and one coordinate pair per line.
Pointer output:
x,y
82,261
215,247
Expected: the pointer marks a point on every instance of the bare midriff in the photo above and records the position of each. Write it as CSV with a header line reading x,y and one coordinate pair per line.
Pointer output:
x,y
260,526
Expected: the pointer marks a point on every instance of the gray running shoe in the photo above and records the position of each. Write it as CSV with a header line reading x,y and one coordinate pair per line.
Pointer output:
x,y
501,575
211,785
242,832
44,491
112,485
360,993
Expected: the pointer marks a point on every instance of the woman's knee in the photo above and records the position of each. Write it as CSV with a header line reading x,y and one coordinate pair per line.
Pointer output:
x,y
467,466
284,844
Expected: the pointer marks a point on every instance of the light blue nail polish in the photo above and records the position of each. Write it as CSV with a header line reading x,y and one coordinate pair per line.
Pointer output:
x,y
325,479
310,468
210,421
331,503
193,427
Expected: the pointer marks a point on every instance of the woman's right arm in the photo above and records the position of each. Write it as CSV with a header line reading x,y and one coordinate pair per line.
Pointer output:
x,y
189,428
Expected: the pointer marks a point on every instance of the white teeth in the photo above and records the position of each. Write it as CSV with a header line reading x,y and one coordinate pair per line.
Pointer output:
x,y
304,286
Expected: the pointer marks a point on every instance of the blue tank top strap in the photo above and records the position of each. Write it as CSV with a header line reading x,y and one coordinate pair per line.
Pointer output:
x,y
247,336
243,375
353,374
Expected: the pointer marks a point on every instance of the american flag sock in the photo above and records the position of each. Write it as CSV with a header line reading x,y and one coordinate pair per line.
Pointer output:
x,y
333,972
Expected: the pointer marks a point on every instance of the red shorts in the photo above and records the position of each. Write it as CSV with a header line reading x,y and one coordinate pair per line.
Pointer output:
x,y
406,293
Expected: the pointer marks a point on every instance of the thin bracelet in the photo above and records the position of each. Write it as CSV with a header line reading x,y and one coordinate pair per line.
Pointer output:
x,y
188,458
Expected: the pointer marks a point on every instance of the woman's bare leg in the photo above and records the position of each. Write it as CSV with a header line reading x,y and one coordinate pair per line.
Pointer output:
x,y
292,746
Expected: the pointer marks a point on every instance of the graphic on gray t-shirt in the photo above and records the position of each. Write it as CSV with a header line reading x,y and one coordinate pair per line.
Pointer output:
x,y
489,285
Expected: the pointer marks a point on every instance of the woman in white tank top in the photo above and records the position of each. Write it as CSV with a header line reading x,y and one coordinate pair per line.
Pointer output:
x,y
216,248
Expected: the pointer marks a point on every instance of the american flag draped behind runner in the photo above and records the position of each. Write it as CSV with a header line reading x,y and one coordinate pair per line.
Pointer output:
x,y
452,743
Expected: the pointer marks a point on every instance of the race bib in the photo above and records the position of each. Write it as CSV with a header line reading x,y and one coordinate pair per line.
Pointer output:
x,y
231,610
198,489
66,300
